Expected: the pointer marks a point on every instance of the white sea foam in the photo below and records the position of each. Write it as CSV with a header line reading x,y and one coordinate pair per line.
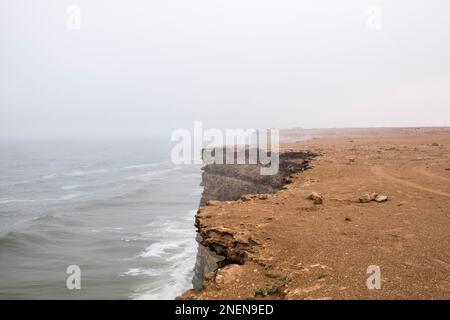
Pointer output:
x,y
144,165
167,290
50,176
71,187
181,271
5,201
73,173
151,174
191,217
80,173
113,229
159,249
69,196
180,256
142,272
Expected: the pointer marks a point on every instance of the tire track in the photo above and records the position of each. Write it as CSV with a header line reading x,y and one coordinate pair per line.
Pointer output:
x,y
430,174
381,173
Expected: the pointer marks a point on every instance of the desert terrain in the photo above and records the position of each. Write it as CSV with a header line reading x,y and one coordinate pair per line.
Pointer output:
x,y
297,248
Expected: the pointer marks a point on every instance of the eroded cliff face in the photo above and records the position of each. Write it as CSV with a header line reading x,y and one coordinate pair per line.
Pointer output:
x,y
219,246
227,182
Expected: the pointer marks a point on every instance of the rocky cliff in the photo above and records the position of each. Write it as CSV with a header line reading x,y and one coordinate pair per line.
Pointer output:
x,y
231,182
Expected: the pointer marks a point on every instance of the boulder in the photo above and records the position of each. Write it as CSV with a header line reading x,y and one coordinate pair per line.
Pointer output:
x,y
381,198
372,197
317,198
365,198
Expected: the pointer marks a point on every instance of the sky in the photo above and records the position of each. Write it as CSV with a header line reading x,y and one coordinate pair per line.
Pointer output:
x,y
140,68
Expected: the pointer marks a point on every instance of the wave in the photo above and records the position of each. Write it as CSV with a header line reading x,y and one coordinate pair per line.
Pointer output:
x,y
74,173
178,256
163,257
142,272
80,173
167,290
145,165
178,271
151,174
159,249
66,197
5,201
50,176
69,196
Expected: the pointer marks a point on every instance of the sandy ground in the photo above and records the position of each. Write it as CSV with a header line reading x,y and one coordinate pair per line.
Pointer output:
x,y
302,250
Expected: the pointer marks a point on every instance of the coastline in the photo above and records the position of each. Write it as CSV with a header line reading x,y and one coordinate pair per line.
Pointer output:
x,y
233,183
283,246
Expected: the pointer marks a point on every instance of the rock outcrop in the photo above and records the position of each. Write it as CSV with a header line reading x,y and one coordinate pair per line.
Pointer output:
x,y
229,182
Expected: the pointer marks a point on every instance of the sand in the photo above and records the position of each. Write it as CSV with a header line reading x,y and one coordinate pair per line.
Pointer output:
x,y
301,250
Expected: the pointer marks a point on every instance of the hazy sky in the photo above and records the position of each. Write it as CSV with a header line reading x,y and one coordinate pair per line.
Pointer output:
x,y
135,68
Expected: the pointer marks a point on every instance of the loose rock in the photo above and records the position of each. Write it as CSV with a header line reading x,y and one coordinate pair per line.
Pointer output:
x,y
365,198
317,198
381,198
372,197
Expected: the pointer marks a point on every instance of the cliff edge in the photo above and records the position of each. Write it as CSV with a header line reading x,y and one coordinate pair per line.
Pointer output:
x,y
236,182
280,244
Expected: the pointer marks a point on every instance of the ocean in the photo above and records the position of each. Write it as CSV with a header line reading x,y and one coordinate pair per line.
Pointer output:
x,y
118,209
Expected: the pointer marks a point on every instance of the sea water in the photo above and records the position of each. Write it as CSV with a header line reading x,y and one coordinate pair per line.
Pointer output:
x,y
118,209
